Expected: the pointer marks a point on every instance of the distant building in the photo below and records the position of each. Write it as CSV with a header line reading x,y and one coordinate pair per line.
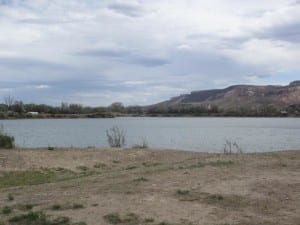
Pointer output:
x,y
33,113
283,112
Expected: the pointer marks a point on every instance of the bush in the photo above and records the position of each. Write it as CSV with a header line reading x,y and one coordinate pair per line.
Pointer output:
x,y
143,145
56,207
183,192
115,137
6,141
113,218
50,148
26,207
217,197
38,218
77,206
10,197
6,210
141,179
116,218
28,218
230,146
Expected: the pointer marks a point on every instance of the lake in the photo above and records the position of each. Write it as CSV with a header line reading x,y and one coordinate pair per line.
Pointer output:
x,y
196,134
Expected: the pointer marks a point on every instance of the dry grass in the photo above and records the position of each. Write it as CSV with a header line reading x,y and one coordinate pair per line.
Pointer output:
x,y
101,186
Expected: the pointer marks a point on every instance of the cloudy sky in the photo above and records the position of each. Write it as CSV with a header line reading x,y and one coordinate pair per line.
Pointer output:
x,y
140,51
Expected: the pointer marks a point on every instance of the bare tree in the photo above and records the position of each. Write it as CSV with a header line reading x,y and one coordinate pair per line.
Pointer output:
x,y
64,107
18,107
9,101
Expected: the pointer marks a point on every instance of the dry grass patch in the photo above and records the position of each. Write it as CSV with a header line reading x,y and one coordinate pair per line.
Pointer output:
x,y
34,177
116,218
40,218
218,163
100,165
140,179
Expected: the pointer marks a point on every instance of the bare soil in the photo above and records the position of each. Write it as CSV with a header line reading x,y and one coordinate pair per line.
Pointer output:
x,y
153,186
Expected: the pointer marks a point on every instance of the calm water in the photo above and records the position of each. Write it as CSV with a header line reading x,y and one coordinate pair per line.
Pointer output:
x,y
197,134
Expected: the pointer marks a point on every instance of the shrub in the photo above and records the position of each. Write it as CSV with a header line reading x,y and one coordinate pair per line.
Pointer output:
x,y
77,206
50,148
115,137
10,197
143,145
82,168
56,207
131,167
99,165
141,179
149,220
27,218
116,218
112,218
163,223
229,147
38,218
6,141
216,197
6,210
26,207
183,192
80,223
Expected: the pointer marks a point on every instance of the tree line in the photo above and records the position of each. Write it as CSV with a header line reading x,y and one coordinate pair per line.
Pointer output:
x,y
11,108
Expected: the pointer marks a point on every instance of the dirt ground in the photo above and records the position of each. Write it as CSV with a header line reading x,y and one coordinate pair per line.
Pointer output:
x,y
158,187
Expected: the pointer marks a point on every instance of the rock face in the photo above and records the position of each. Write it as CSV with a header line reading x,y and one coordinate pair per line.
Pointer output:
x,y
243,95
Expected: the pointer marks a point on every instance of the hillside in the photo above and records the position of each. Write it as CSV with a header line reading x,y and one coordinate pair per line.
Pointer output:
x,y
240,98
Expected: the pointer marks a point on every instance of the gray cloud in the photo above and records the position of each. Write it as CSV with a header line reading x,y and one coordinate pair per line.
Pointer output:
x,y
209,64
222,42
6,2
125,56
114,53
126,9
295,3
149,61
20,63
42,21
287,32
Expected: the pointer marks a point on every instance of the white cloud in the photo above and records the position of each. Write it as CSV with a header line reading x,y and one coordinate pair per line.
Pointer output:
x,y
277,56
105,50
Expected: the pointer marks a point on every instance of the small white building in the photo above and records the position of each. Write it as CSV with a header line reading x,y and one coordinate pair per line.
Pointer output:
x,y
33,113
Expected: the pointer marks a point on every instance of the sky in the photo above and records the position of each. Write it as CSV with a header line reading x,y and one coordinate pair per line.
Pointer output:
x,y
141,52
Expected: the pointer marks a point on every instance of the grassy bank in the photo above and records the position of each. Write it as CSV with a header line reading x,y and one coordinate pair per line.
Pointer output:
x,y
155,187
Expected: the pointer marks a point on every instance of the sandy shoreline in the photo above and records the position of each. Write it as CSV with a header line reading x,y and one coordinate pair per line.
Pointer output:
x,y
156,186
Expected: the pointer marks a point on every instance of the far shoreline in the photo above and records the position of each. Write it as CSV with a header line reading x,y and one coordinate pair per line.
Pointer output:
x,y
143,116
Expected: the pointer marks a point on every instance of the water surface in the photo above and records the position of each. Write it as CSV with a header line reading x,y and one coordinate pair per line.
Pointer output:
x,y
197,134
